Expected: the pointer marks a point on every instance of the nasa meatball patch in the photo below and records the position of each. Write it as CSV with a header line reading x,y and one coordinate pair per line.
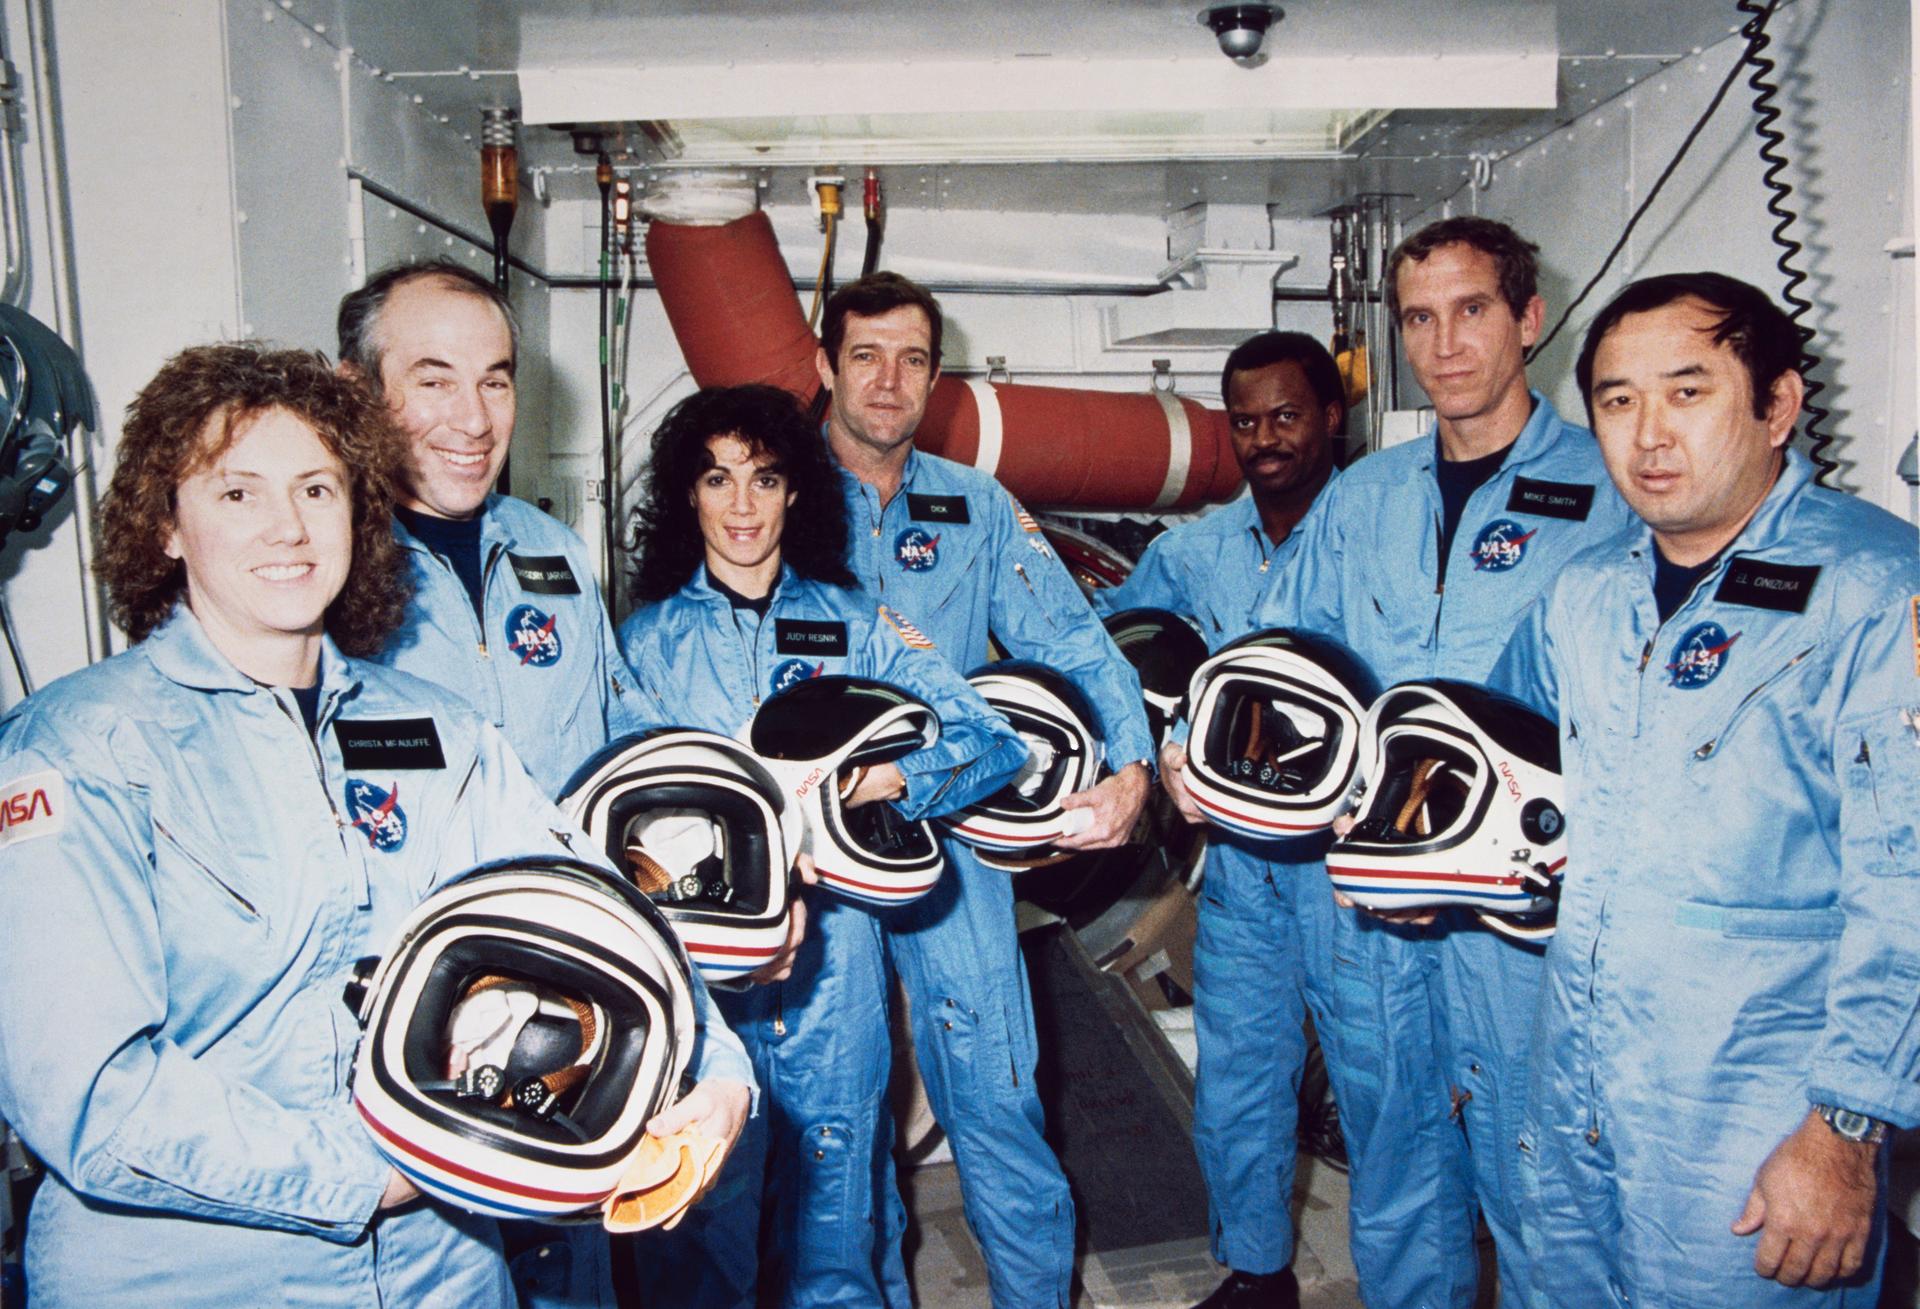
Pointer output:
x,y
534,636
1501,545
376,814
1699,655
917,550
34,805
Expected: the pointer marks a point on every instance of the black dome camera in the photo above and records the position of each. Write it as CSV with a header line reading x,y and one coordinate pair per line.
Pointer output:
x,y
1241,29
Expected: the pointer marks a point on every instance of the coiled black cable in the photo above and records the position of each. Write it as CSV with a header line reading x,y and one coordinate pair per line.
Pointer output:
x,y
1765,113
1754,30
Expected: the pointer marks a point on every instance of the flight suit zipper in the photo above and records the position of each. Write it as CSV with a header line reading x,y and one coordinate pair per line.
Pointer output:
x,y
751,649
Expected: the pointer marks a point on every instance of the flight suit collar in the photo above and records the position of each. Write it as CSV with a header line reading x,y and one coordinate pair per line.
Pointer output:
x,y
1542,431
183,653
493,530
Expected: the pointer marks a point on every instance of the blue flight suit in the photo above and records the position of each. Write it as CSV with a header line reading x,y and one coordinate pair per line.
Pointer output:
x,y
190,877
956,551
1420,1026
543,667
1737,931
819,1039
1249,1008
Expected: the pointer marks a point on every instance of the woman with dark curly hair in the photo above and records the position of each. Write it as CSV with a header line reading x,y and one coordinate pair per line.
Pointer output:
x,y
200,837
744,593
813,543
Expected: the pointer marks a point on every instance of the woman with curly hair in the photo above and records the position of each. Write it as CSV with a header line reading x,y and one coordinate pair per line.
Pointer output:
x,y
744,592
203,834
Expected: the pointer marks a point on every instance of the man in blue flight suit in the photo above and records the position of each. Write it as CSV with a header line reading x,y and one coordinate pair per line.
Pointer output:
x,y
1728,1024
1421,559
950,546
1284,403
505,610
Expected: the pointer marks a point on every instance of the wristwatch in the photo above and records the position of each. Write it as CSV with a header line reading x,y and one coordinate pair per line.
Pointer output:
x,y
1851,1126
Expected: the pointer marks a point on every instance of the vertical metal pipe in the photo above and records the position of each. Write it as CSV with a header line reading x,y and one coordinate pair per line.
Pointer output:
x,y
66,299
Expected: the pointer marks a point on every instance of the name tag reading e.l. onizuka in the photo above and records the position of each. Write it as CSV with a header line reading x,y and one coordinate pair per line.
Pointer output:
x,y
1761,585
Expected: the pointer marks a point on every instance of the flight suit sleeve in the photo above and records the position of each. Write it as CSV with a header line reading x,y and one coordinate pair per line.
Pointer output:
x,y
1153,584
1868,1054
1525,669
513,817
120,1113
1037,612
978,751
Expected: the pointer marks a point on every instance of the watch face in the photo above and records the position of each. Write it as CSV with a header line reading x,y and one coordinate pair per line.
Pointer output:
x,y
1852,1126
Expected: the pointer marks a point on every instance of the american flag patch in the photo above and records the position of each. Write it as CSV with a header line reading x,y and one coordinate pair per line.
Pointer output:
x,y
1026,519
912,635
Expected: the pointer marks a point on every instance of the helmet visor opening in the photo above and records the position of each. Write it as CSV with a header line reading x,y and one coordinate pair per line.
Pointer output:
x,y
1051,756
1270,742
589,1074
1429,791
694,846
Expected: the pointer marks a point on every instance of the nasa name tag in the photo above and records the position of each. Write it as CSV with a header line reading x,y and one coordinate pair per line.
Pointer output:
x,y
937,508
378,745
1756,584
802,636
544,574
1570,500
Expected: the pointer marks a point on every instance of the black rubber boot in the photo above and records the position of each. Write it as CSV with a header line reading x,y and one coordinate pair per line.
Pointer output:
x,y
1255,1291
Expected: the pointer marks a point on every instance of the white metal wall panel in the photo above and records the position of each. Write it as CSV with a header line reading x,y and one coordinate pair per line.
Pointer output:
x,y
1844,78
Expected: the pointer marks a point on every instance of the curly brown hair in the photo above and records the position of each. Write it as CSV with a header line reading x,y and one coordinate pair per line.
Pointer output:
x,y
186,417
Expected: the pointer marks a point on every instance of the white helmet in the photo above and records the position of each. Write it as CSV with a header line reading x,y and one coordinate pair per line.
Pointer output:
x,y
1463,807
1164,650
1274,751
816,737
705,830
1016,826
531,1017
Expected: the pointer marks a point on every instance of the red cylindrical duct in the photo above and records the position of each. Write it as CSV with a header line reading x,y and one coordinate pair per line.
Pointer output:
x,y
730,300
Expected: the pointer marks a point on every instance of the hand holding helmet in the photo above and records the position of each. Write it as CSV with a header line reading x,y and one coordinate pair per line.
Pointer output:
x,y
834,743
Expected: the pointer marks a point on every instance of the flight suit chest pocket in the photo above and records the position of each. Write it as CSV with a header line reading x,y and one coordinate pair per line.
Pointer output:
x,y
204,877
929,563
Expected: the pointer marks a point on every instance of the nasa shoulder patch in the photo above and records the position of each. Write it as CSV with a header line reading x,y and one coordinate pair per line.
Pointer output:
x,y
34,805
